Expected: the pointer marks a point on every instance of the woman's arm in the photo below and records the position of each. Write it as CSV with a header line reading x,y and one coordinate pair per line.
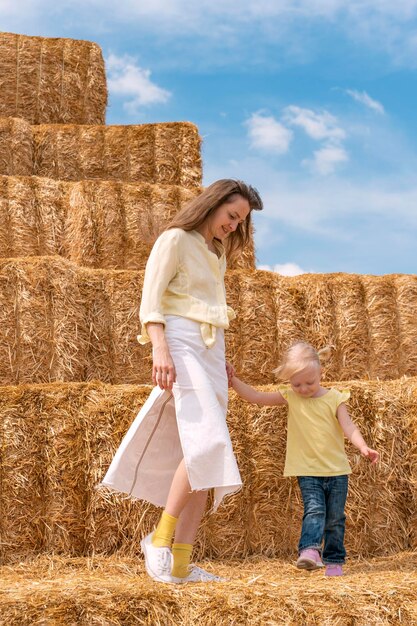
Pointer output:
x,y
163,370
160,270
353,433
250,394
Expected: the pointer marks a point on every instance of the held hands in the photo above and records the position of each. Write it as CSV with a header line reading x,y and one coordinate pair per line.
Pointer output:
x,y
230,371
370,454
163,370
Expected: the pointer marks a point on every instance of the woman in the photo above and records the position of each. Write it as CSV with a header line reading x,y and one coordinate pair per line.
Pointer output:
x,y
179,446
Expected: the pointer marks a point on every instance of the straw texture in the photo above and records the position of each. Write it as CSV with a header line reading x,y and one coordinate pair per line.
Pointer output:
x,y
117,591
97,224
63,322
165,154
52,81
16,147
59,439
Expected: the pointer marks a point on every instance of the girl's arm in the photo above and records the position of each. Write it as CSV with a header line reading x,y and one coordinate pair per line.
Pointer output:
x,y
250,394
353,433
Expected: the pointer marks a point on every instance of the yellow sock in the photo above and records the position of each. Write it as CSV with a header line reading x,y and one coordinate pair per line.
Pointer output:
x,y
164,532
182,557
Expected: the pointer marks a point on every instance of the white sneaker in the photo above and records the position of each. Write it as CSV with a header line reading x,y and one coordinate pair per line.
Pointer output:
x,y
198,575
158,561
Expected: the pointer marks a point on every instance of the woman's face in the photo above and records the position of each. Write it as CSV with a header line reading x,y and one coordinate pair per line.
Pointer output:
x,y
227,217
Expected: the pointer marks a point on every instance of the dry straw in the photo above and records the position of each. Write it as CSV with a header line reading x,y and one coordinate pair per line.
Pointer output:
x,y
258,592
97,224
63,322
164,154
52,81
59,439
16,147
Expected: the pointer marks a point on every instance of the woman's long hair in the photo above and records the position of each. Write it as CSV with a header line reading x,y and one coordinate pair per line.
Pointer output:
x,y
203,206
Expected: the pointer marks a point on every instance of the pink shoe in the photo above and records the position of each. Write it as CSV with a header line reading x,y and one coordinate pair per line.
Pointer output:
x,y
309,559
334,569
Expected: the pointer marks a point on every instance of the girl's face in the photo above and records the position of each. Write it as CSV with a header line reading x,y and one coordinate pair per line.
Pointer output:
x,y
227,217
307,382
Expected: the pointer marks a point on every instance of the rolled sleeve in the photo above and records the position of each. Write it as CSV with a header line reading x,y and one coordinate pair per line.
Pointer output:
x,y
160,270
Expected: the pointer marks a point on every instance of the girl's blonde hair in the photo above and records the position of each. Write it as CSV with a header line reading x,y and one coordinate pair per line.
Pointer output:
x,y
298,357
204,205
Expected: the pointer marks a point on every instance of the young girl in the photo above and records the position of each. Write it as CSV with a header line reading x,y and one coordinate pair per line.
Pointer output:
x,y
317,420
179,446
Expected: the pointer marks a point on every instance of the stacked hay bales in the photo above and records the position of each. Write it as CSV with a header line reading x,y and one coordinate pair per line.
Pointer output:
x,y
80,206
46,80
116,591
165,154
58,441
95,223
61,322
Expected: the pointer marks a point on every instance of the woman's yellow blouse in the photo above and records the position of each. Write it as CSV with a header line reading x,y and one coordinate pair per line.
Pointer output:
x,y
183,277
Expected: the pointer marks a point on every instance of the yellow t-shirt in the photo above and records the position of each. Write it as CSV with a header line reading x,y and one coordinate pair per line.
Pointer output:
x,y
315,439
183,277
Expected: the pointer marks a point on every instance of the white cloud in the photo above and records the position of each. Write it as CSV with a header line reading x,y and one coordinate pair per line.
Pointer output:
x,y
365,99
318,126
285,269
323,127
266,133
380,25
126,78
327,159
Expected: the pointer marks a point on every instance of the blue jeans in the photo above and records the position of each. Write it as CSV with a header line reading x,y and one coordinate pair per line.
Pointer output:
x,y
324,516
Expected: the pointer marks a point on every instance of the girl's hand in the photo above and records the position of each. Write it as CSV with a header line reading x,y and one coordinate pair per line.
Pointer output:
x,y
370,454
230,370
163,369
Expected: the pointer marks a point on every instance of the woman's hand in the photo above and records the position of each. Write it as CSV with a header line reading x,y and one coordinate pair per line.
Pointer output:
x,y
163,369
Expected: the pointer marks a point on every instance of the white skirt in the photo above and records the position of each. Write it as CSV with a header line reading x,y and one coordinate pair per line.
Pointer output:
x,y
188,423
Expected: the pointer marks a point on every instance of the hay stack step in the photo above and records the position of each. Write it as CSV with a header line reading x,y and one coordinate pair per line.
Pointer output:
x,y
63,322
95,223
117,591
52,81
58,441
163,154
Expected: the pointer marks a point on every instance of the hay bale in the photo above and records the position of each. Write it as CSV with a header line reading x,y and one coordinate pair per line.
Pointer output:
x,y
352,346
16,147
70,432
100,224
406,296
81,324
117,591
32,216
383,326
257,321
146,153
65,474
114,523
52,81
113,225
22,428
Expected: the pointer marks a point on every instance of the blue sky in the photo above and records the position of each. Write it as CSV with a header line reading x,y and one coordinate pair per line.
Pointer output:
x,y
311,101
